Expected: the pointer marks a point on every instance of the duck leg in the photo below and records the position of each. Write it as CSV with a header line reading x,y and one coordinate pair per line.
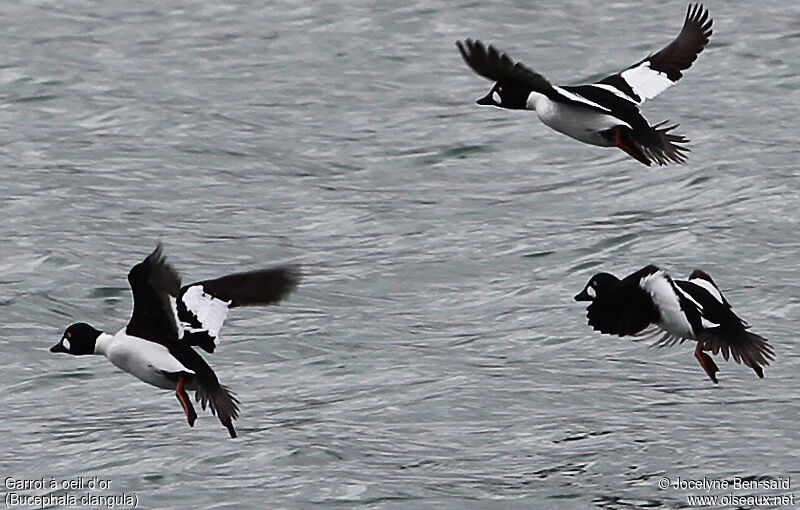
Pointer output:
x,y
621,140
183,398
706,362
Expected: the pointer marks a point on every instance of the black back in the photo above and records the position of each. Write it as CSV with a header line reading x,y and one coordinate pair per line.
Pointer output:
x,y
619,107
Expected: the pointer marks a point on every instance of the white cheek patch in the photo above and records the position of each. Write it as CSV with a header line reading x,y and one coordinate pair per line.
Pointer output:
x,y
65,343
591,292
496,97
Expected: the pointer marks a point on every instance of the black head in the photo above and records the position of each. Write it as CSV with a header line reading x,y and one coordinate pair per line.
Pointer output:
x,y
507,95
77,340
599,284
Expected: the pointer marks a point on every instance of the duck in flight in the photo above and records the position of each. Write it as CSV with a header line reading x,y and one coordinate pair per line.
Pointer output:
x,y
169,320
605,113
692,309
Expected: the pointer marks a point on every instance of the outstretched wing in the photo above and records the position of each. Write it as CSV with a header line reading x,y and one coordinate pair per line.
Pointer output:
x,y
649,77
154,284
203,306
496,66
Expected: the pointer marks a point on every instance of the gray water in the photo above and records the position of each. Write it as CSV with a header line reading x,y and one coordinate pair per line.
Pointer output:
x,y
432,356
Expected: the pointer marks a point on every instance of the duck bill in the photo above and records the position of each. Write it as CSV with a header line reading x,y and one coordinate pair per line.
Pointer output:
x,y
487,100
583,296
59,347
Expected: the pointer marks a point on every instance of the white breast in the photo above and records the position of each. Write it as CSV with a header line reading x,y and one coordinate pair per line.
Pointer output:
x,y
579,123
673,320
141,358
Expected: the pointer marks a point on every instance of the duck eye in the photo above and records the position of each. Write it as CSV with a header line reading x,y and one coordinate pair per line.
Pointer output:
x,y
69,334
499,89
594,283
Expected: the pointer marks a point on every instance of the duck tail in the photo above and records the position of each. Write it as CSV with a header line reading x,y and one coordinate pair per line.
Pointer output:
x,y
748,348
222,402
662,146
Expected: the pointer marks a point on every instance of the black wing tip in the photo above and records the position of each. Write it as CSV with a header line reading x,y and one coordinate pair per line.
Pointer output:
x,y
158,252
467,48
461,49
682,52
697,14
470,44
476,52
163,276
157,256
291,275
156,271
649,269
700,274
463,45
259,287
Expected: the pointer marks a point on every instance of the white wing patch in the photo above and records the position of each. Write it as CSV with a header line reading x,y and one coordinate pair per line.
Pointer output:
x,y
173,303
707,323
703,320
646,82
673,320
689,297
614,90
700,282
580,99
209,311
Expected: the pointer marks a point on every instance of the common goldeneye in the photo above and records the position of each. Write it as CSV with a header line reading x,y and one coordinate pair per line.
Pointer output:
x,y
692,309
604,113
169,319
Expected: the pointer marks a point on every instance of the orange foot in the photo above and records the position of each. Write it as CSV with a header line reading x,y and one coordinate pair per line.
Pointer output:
x,y
183,398
706,362
621,141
